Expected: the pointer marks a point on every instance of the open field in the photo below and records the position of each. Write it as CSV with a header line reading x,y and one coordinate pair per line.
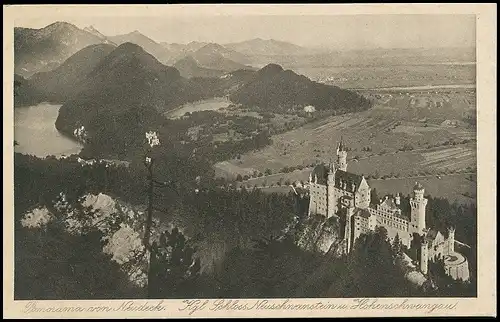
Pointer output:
x,y
405,135
379,138
391,76
454,187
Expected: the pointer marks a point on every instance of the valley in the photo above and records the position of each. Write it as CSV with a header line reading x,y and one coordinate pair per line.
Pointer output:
x,y
417,134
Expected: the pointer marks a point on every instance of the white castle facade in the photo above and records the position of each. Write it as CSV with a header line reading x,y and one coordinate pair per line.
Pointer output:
x,y
333,190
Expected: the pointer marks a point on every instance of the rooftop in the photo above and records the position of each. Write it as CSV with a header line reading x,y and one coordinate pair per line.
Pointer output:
x,y
343,180
418,186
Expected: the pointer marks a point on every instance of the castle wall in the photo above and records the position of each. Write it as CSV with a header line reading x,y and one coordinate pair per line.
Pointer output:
x,y
332,201
360,227
457,266
394,225
318,203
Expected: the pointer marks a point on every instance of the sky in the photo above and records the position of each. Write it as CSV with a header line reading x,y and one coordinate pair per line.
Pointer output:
x,y
333,31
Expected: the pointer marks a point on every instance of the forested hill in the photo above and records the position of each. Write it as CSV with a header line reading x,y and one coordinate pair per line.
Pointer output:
x,y
126,92
273,87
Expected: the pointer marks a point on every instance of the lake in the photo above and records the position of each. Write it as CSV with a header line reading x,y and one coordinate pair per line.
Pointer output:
x,y
212,104
36,134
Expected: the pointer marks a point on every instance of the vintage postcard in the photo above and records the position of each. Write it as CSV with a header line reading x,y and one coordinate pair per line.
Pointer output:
x,y
249,160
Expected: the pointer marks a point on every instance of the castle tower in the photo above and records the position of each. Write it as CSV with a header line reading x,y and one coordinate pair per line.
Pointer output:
x,y
424,256
451,240
331,198
397,200
417,204
342,156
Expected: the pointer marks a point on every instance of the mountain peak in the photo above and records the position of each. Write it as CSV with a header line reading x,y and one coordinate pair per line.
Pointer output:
x,y
60,25
270,69
213,46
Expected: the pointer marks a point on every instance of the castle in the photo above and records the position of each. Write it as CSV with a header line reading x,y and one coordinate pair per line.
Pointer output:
x,y
333,190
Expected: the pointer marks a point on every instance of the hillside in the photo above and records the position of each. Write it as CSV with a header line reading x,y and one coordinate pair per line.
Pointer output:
x,y
272,87
180,51
188,67
65,81
214,56
125,93
43,49
25,94
158,51
96,32
225,84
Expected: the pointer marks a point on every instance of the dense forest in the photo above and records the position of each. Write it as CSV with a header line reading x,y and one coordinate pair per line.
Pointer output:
x,y
260,256
276,89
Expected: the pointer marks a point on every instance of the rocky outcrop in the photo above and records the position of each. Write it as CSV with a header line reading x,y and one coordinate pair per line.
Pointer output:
x,y
319,234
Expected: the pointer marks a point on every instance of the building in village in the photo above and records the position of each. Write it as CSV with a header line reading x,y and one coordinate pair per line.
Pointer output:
x,y
334,190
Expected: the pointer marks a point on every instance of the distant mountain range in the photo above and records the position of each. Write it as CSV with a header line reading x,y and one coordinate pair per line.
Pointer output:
x,y
271,47
116,90
160,52
44,49
37,50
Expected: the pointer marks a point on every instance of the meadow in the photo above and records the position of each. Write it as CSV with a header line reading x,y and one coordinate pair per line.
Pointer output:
x,y
406,135
388,76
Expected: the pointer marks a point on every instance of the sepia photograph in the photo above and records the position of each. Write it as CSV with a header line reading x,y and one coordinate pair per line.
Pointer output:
x,y
253,156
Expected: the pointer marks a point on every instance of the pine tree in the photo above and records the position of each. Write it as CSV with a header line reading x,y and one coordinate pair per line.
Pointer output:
x,y
174,268
396,246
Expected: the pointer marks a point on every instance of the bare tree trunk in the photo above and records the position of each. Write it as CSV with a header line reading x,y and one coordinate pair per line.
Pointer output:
x,y
149,219
147,228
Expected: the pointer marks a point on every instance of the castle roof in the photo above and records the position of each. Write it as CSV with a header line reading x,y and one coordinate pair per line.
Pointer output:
x,y
321,171
341,146
362,213
432,234
418,186
351,181
389,203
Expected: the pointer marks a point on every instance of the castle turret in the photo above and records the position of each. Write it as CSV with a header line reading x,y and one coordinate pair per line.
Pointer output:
x,y
397,200
424,256
342,156
418,204
331,174
451,240
331,200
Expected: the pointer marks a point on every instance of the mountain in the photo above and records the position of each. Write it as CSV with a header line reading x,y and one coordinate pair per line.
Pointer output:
x,y
214,56
95,32
158,51
189,68
43,49
272,87
180,51
225,84
123,95
269,47
63,82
